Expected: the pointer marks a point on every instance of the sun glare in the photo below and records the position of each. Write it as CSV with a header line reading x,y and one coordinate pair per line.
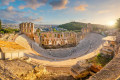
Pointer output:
x,y
111,23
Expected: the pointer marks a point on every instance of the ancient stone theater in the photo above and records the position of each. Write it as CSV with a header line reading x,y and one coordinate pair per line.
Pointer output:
x,y
51,39
58,39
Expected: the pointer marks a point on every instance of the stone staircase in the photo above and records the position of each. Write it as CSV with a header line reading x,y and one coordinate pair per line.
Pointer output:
x,y
108,50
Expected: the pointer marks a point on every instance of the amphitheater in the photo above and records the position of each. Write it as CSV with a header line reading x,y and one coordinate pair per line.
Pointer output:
x,y
87,48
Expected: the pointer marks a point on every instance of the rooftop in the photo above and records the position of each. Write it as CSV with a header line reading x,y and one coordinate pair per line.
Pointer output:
x,y
10,46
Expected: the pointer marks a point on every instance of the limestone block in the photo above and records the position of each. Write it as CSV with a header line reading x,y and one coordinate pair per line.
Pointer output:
x,y
1,55
79,72
8,56
106,51
95,68
14,55
21,54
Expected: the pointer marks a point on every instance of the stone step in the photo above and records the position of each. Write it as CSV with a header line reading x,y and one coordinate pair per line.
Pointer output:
x,y
80,73
108,47
106,51
80,70
73,73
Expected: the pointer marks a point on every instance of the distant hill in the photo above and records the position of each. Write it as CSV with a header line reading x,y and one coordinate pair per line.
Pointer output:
x,y
75,26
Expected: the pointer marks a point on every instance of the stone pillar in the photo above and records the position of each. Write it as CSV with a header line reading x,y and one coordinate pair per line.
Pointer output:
x,y
28,27
25,25
20,28
89,26
32,28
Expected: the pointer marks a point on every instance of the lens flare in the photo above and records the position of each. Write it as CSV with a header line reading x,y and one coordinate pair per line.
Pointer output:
x,y
111,23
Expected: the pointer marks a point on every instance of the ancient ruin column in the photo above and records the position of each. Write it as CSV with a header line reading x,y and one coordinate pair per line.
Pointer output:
x,y
85,30
76,38
25,26
20,28
32,28
89,26
28,27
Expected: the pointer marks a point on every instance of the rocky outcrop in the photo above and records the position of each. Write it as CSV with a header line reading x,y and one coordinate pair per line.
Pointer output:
x,y
110,71
16,67
95,68
20,70
34,74
81,69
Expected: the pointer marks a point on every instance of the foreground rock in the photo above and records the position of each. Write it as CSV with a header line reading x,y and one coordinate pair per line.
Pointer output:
x,y
21,70
15,67
95,68
81,69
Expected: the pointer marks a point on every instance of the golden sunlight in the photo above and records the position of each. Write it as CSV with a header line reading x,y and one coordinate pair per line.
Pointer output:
x,y
111,23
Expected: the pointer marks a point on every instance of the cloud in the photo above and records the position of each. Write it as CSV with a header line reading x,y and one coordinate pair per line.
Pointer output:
x,y
103,11
10,8
38,19
34,4
5,21
17,16
81,7
59,4
21,7
6,2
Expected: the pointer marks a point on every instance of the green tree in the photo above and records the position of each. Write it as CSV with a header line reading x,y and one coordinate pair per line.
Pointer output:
x,y
38,30
0,24
73,26
118,23
54,30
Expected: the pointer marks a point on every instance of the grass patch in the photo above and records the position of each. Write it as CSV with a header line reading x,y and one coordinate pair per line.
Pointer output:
x,y
101,60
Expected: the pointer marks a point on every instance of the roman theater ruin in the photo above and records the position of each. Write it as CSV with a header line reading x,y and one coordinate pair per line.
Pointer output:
x,y
87,44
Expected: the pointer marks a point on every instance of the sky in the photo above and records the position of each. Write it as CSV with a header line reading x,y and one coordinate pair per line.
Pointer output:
x,y
59,11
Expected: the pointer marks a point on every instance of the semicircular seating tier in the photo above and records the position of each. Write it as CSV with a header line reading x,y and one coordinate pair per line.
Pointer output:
x,y
90,43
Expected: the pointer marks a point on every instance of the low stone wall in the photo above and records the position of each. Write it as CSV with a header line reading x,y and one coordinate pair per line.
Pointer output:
x,y
12,55
110,72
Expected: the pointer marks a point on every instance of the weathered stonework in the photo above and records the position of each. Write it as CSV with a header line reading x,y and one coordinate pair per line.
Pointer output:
x,y
28,29
58,38
54,39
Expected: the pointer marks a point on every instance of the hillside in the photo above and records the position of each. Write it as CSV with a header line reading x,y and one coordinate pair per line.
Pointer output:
x,y
75,26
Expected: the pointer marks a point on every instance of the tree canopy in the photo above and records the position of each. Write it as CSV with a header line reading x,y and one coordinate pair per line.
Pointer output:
x,y
118,23
73,26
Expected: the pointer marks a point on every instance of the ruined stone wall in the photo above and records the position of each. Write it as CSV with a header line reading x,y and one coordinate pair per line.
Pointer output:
x,y
99,28
36,38
84,32
28,29
58,38
54,38
63,38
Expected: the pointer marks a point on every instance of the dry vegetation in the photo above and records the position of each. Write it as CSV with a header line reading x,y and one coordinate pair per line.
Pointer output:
x,y
10,45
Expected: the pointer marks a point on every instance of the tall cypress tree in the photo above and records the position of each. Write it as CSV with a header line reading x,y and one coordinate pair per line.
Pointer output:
x,y
118,23
0,24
